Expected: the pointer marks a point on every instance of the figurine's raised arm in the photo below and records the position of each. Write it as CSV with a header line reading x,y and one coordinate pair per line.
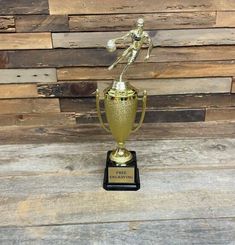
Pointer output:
x,y
111,44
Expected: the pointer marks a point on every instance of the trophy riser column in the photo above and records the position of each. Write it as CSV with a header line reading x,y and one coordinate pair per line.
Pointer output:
x,y
121,178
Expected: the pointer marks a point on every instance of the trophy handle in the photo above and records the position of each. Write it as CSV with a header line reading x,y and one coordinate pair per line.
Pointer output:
x,y
99,113
144,100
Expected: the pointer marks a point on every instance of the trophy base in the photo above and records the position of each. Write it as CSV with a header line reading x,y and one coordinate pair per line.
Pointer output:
x,y
121,178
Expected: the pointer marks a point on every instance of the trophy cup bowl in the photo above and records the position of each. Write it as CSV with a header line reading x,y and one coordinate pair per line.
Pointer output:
x,y
120,112
121,107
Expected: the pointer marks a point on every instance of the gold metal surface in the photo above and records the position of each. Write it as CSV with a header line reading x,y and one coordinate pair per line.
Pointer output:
x,y
121,175
121,98
99,112
138,38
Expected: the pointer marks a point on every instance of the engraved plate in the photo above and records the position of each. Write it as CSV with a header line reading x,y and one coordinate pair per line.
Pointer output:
x,y
121,175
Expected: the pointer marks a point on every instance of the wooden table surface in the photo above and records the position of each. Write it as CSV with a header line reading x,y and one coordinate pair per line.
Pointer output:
x,y
51,186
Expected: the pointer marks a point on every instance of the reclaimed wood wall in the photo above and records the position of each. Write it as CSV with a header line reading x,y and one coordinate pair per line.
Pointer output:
x,y
53,57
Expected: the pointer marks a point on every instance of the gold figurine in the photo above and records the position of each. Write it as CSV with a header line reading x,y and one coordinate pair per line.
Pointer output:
x,y
121,102
138,37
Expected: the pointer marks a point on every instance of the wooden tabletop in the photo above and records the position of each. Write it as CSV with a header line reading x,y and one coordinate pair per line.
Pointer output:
x,y
51,190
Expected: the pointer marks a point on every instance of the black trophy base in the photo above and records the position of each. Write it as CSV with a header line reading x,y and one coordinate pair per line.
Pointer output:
x,y
121,178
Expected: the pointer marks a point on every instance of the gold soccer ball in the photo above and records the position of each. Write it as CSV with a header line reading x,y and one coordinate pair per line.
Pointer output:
x,y
111,46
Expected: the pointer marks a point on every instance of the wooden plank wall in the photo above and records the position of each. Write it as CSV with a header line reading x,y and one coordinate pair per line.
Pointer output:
x,y
53,57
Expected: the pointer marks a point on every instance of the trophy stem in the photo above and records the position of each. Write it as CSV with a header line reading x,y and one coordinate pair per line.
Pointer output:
x,y
121,156
123,71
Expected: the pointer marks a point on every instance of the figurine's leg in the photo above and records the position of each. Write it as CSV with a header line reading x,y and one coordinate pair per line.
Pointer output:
x,y
133,56
125,54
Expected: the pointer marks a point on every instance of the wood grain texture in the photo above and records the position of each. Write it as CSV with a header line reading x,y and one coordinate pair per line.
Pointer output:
x,y
187,231
74,90
188,154
24,7
191,101
199,53
170,38
63,198
217,114
28,75
233,86
80,105
7,24
42,23
18,91
22,41
58,58
14,106
128,6
152,70
37,119
152,21
193,37
178,86
84,105
225,19
100,57
94,132
153,116
4,59
37,204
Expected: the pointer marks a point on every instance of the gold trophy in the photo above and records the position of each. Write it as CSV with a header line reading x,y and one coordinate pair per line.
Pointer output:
x,y
121,102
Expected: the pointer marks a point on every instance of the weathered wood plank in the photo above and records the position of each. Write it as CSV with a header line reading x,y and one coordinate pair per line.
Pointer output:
x,y
128,6
42,23
199,53
167,232
100,57
156,21
225,19
7,24
154,116
4,59
29,106
69,198
22,41
59,58
37,119
179,86
152,70
171,38
93,132
216,114
194,37
191,101
8,91
80,105
24,7
28,75
190,154
233,86
83,105
60,90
